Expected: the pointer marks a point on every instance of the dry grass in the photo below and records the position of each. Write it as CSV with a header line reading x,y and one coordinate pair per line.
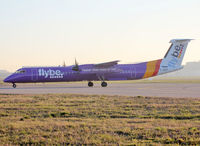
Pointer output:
x,y
98,120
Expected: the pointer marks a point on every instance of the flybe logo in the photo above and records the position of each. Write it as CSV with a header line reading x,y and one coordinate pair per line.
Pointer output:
x,y
49,73
178,51
176,55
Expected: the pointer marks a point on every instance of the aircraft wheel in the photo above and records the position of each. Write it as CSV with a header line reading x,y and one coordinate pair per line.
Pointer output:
x,y
104,84
14,85
90,84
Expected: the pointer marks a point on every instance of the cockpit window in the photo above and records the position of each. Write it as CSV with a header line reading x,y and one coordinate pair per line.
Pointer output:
x,y
20,71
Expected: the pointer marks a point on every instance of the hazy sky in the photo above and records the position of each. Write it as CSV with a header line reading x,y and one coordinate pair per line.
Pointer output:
x,y
48,32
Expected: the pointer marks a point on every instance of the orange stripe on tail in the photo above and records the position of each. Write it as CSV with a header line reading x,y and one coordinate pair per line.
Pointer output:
x,y
152,68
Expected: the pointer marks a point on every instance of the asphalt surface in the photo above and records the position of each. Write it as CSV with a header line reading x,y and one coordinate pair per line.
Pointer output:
x,y
128,89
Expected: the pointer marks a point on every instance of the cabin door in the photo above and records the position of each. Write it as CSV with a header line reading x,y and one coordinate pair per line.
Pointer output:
x,y
34,75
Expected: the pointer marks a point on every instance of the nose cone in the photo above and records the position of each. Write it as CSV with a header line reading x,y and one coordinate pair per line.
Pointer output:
x,y
8,79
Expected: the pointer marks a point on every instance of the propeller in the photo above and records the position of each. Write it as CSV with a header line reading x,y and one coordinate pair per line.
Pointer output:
x,y
76,67
64,65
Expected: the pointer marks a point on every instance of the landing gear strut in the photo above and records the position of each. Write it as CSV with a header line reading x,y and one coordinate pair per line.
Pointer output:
x,y
104,84
14,85
90,84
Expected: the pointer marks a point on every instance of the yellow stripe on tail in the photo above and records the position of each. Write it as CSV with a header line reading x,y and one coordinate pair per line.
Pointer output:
x,y
151,66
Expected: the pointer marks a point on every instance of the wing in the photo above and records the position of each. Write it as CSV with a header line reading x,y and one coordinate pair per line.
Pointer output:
x,y
106,64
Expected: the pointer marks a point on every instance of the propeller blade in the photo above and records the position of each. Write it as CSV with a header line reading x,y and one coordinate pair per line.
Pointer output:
x,y
76,63
76,67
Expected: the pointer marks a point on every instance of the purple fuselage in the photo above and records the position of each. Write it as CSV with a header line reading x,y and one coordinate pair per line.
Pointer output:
x,y
87,72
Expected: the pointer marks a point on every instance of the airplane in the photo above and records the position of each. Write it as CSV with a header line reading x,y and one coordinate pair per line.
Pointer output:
x,y
104,71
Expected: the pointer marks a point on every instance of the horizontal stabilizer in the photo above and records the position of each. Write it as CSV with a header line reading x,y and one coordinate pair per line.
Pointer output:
x,y
180,40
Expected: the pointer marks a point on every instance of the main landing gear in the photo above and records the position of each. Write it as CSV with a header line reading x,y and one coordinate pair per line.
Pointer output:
x,y
90,84
14,85
103,84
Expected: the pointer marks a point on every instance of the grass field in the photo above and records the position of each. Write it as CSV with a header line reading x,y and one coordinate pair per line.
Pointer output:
x,y
98,120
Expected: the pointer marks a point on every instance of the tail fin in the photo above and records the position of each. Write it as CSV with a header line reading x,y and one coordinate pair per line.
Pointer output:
x,y
174,56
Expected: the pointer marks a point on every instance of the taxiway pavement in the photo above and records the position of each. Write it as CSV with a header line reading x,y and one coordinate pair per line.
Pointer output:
x,y
178,90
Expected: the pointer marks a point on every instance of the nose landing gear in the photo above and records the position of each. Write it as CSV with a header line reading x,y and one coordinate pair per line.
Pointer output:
x,y
14,85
